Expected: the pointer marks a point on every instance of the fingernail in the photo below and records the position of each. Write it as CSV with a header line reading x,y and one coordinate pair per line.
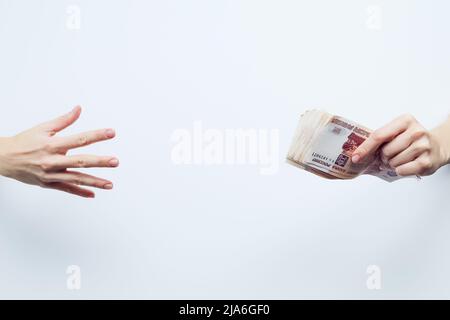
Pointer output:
x,y
110,133
356,158
108,186
114,162
91,196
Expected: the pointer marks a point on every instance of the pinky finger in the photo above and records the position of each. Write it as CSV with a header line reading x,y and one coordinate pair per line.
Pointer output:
x,y
70,188
418,167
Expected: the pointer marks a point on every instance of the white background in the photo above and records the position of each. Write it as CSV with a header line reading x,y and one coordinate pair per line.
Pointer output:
x,y
148,68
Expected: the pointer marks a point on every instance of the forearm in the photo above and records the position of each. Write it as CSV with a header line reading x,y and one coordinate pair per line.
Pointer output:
x,y
442,135
6,161
3,146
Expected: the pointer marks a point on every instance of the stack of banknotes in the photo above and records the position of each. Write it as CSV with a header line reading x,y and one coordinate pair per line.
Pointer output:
x,y
324,144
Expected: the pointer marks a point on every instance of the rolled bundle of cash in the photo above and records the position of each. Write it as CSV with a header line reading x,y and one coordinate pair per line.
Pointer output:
x,y
324,144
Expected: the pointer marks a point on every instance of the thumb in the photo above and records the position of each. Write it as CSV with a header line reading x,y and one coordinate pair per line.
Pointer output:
x,y
381,136
369,146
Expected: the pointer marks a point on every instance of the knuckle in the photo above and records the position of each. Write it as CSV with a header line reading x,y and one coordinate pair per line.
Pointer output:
x,y
385,153
409,118
82,140
425,164
52,132
45,178
48,147
76,179
419,133
391,163
46,165
377,136
425,145
422,146
81,163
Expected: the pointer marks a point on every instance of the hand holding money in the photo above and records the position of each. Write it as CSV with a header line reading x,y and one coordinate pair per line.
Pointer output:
x,y
406,146
336,148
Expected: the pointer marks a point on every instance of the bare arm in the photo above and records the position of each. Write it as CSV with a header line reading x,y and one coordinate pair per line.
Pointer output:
x,y
39,157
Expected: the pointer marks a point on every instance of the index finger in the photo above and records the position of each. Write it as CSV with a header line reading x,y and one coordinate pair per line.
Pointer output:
x,y
381,136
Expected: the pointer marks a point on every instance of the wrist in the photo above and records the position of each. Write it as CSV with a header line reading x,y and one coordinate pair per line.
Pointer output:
x,y
442,136
4,142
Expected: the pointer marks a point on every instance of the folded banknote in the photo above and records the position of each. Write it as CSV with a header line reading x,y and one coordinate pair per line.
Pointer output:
x,y
324,144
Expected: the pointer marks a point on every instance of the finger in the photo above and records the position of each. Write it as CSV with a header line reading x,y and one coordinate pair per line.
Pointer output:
x,y
410,154
72,189
62,122
398,145
84,139
84,161
78,178
419,167
381,136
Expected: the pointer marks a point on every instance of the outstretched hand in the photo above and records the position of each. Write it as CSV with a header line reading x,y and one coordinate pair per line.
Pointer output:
x,y
39,157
